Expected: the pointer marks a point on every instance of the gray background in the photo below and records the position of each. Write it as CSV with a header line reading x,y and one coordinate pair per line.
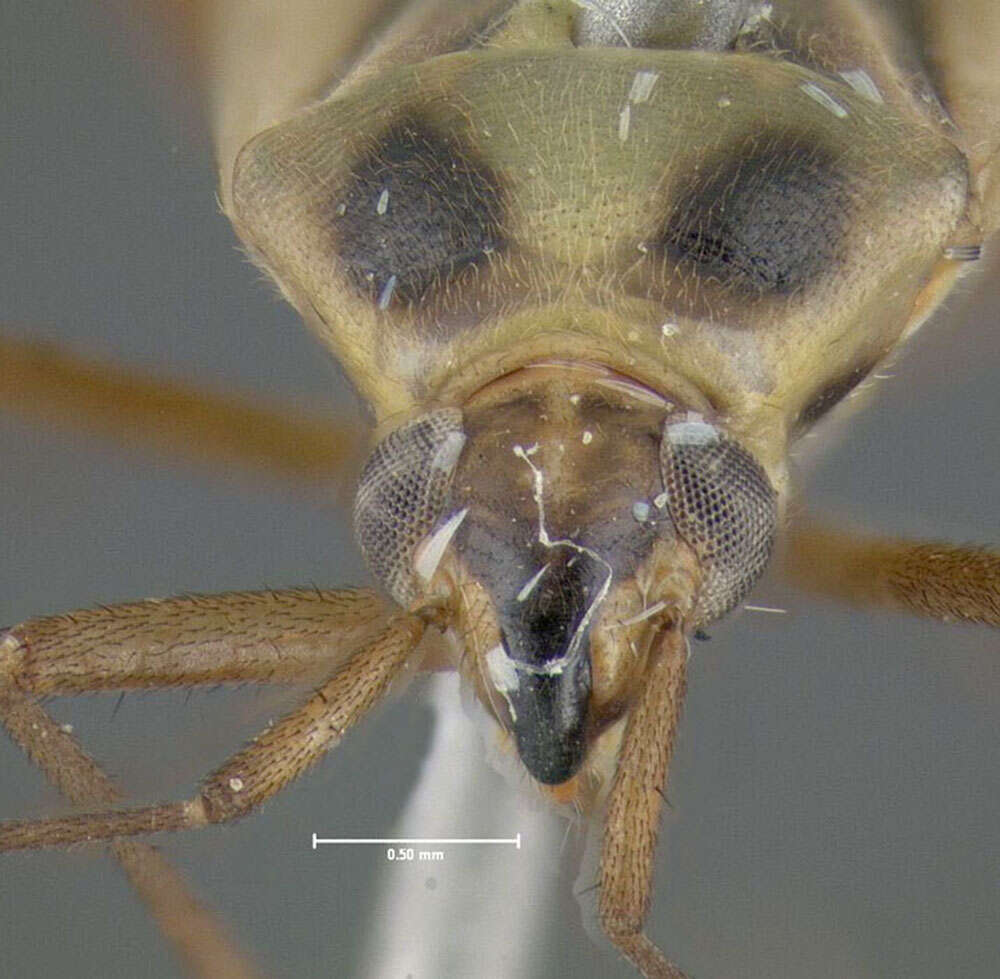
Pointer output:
x,y
835,788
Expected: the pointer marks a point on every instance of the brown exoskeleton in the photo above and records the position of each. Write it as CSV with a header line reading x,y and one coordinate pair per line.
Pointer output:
x,y
532,469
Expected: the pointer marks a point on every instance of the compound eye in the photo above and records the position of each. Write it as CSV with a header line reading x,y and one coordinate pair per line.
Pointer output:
x,y
722,504
403,490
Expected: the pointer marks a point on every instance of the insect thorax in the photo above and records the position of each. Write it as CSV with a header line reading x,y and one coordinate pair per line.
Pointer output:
x,y
738,227
591,293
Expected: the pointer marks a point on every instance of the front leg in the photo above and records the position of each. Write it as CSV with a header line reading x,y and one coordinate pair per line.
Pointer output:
x,y
277,756
633,813
196,934
283,636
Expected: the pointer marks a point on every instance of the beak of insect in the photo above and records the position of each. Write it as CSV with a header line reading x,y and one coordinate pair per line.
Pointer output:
x,y
563,659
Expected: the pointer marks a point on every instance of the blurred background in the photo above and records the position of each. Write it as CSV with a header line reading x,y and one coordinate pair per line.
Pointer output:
x,y
835,787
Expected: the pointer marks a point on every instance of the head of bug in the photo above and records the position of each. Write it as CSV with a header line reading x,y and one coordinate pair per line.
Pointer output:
x,y
602,289
558,524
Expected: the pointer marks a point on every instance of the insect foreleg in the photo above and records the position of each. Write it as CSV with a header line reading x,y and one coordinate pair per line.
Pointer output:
x,y
197,936
273,759
630,829
285,636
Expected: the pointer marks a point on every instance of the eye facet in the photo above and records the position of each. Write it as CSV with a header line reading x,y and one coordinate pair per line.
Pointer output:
x,y
722,504
403,490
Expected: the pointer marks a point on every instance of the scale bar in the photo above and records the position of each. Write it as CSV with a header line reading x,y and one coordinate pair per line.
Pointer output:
x,y
515,841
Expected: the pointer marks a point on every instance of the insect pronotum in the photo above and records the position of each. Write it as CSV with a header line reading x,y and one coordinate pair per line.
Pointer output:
x,y
833,782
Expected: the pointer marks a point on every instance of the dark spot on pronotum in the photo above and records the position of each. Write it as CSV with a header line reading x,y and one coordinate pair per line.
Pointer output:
x,y
831,395
416,208
767,220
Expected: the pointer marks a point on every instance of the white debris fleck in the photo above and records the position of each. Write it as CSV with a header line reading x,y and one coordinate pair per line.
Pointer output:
x,y
385,296
66,728
724,102
646,613
669,329
431,550
624,122
529,586
766,608
824,99
642,86
503,675
341,209
588,437
640,91
694,431
660,500
236,784
503,672
862,83
448,452
640,511
383,202
574,399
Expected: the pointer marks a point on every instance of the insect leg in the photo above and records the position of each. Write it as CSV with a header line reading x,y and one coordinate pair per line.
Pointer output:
x,y
177,419
278,755
630,829
267,637
195,932
943,581
286,636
